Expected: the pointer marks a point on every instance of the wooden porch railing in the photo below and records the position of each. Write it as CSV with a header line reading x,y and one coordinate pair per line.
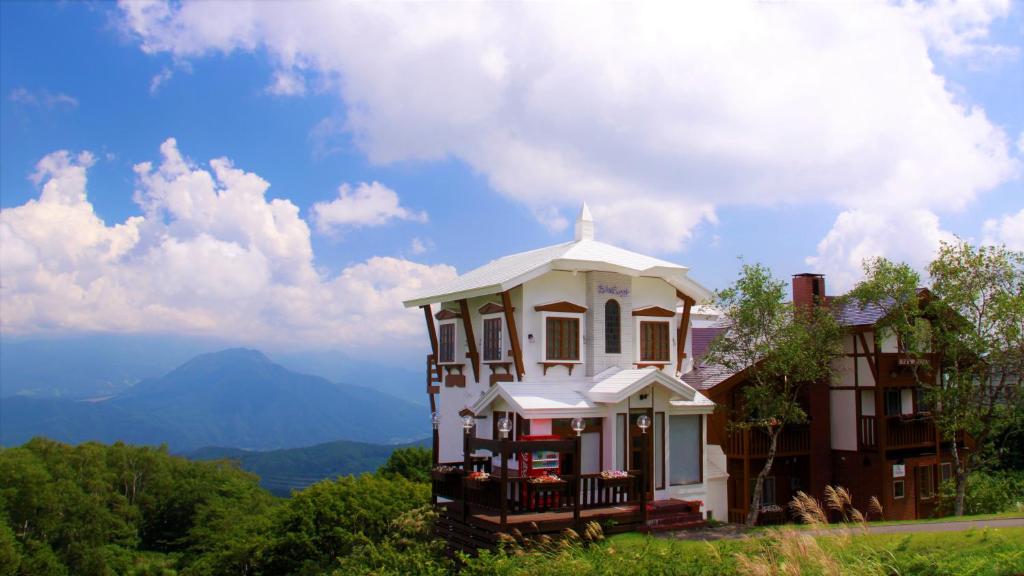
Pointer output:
x,y
794,440
902,433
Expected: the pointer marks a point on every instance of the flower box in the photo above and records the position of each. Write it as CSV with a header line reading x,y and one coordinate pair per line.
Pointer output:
x,y
477,483
619,481
445,474
547,486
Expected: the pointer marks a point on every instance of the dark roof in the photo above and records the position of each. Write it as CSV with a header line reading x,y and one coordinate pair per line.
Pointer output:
x,y
702,338
851,313
705,377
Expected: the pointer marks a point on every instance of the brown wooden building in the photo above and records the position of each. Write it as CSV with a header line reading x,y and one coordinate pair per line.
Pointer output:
x,y
869,430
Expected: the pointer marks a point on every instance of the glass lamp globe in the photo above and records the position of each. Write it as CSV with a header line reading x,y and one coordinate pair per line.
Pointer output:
x,y
644,422
504,426
435,419
468,422
578,424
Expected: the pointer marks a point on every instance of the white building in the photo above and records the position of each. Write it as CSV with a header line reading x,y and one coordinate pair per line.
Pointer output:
x,y
580,329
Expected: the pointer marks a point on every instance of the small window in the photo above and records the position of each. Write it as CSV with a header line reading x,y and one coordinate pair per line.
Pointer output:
x,y
767,490
447,342
612,327
925,486
893,402
897,489
562,338
492,339
654,342
945,471
921,400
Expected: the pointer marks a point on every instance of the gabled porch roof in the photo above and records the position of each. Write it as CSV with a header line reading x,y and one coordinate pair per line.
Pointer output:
x,y
553,399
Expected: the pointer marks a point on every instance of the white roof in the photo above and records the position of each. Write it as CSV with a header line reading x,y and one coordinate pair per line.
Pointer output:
x,y
583,398
582,255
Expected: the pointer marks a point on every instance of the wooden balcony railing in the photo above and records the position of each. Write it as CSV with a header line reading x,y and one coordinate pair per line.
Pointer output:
x,y
902,433
868,431
794,440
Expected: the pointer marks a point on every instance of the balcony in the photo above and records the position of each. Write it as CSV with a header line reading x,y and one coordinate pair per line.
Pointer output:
x,y
900,432
795,440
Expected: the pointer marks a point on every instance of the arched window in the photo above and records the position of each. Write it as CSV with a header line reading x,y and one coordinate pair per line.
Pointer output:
x,y
612,328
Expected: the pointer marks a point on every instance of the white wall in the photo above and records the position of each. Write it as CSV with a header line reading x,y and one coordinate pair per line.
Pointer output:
x,y
844,368
867,402
602,287
907,401
554,286
843,419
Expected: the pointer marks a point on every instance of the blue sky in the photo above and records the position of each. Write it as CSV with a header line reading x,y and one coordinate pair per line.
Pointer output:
x,y
873,132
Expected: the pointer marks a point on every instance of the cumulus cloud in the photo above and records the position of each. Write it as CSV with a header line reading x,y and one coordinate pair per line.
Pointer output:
x,y
1008,230
421,246
656,114
210,254
159,80
372,204
910,236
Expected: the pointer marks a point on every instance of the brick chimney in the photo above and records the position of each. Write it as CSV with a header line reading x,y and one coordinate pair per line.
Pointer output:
x,y
808,289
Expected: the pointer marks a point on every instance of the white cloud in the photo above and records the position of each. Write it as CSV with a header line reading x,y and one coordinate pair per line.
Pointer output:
x,y
372,204
421,246
287,83
1008,230
656,114
42,98
209,255
159,80
910,236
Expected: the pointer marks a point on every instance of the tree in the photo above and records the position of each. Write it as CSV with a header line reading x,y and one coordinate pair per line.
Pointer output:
x,y
973,320
782,347
413,463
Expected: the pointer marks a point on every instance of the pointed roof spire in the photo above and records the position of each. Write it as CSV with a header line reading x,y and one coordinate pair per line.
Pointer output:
x,y
584,224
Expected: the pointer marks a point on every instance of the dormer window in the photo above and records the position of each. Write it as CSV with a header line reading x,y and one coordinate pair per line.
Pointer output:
x,y
492,339
655,342
612,327
446,334
562,338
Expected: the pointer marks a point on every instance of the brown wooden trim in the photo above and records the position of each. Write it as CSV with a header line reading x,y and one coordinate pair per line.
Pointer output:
x,y
569,365
431,329
681,332
654,311
467,412
491,308
872,360
686,299
563,306
513,334
447,315
467,325
658,365
495,378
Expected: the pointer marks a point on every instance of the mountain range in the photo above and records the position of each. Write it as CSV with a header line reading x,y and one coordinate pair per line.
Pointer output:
x,y
282,471
236,398
100,365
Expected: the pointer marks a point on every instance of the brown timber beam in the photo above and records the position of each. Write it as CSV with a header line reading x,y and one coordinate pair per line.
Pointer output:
x,y
467,325
682,331
871,357
513,334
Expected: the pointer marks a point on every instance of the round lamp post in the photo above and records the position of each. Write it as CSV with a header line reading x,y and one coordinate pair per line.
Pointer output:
x,y
644,422
468,422
578,424
435,420
504,426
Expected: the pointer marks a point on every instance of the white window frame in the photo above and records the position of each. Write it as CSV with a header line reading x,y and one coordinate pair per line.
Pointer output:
x,y
455,342
544,335
483,337
637,337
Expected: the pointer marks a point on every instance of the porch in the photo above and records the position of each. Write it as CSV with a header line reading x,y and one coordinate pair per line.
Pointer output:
x,y
474,512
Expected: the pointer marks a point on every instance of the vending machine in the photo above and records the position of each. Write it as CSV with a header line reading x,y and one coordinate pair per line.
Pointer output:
x,y
540,462
541,471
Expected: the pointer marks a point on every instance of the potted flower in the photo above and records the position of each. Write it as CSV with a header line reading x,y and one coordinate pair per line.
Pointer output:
x,y
548,483
443,472
477,480
614,478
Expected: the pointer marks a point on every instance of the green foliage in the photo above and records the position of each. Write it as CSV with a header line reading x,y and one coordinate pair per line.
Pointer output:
x,y
413,463
987,493
331,519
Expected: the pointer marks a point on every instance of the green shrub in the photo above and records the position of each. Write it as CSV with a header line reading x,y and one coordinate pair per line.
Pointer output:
x,y
412,463
987,493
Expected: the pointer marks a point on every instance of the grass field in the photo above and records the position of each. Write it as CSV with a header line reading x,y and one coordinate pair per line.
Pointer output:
x,y
984,552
